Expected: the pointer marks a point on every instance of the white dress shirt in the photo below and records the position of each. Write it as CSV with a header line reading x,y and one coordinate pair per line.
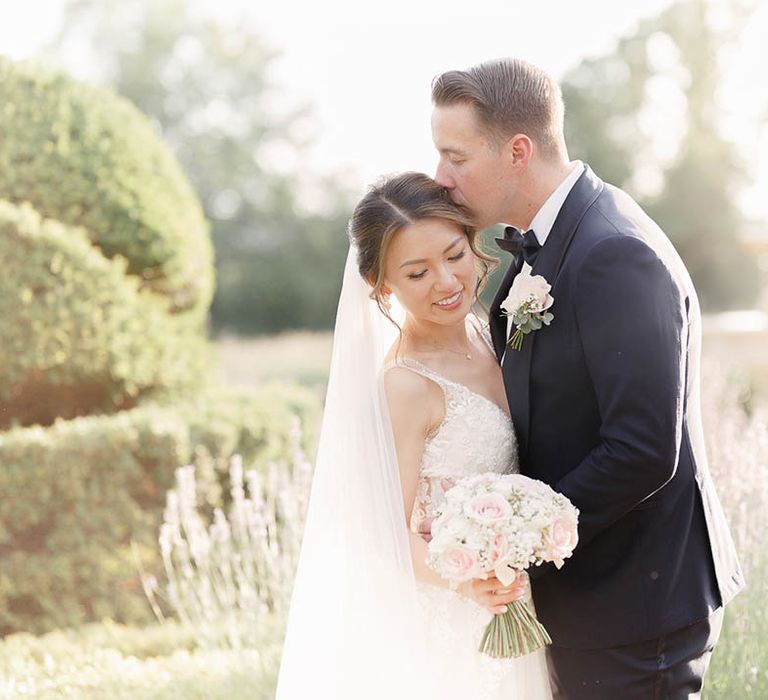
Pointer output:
x,y
542,223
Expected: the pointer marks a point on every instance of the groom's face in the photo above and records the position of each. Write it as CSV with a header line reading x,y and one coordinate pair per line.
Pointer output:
x,y
472,168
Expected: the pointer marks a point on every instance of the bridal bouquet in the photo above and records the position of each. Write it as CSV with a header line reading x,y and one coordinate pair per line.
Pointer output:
x,y
502,524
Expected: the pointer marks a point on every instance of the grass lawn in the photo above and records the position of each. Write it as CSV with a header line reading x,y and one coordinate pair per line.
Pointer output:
x,y
112,662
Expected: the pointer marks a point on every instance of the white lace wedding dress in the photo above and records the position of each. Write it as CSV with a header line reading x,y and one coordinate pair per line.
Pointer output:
x,y
475,436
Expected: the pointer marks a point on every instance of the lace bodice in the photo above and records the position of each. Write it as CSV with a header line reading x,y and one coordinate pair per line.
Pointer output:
x,y
475,436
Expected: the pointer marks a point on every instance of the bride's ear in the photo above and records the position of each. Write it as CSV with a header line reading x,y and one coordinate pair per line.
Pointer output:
x,y
383,289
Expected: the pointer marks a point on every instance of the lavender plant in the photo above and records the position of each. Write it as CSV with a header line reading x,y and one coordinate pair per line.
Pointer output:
x,y
737,447
230,576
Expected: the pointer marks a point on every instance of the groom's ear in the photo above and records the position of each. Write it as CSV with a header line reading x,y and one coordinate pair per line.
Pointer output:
x,y
519,151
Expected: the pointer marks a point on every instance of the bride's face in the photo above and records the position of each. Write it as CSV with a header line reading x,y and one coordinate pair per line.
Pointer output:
x,y
431,269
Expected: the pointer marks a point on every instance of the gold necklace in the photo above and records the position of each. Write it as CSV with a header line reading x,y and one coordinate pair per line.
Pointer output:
x,y
466,354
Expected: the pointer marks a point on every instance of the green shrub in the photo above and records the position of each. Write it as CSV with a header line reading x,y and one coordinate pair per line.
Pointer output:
x,y
86,157
77,335
78,493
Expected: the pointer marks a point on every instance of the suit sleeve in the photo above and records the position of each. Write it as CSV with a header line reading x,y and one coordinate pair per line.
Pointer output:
x,y
633,329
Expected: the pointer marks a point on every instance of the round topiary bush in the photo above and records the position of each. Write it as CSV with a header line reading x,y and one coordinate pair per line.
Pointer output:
x,y
77,334
86,157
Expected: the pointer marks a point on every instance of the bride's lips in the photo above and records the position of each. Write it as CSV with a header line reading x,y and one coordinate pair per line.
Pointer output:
x,y
459,298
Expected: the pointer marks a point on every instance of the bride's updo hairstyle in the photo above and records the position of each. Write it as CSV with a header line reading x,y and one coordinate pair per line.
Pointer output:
x,y
394,203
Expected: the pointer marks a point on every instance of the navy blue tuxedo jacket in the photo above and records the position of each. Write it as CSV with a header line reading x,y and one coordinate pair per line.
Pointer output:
x,y
605,403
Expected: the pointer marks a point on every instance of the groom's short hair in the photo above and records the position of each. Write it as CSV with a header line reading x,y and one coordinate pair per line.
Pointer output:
x,y
510,96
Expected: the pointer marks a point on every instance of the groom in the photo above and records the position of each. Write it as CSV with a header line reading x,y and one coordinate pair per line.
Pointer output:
x,y
605,399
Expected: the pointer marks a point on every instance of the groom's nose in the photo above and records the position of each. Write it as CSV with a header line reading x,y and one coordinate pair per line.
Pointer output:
x,y
442,177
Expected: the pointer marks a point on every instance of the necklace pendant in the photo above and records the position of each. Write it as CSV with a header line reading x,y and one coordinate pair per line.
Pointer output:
x,y
468,356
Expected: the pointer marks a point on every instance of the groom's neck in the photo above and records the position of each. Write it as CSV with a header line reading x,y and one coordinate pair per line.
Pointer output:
x,y
539,181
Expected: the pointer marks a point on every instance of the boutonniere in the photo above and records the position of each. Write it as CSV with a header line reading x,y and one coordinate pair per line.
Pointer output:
x,y
528,303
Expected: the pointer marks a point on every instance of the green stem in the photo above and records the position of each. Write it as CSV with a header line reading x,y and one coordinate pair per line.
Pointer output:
x,y
515,633
516,341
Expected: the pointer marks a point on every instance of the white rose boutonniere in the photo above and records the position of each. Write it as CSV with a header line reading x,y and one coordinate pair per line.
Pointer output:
x,y
528,303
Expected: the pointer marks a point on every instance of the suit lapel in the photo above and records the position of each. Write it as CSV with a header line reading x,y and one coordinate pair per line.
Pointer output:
x,y
496,319
517,366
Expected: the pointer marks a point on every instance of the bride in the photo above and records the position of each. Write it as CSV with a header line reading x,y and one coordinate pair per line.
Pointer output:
x,y
415,401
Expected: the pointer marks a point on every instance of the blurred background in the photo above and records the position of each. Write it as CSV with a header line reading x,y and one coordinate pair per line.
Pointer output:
x,y
281,117
173,267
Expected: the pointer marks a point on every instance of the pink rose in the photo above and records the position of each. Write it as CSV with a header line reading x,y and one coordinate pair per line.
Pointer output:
x,y
488,508
560,541
460,563
498,549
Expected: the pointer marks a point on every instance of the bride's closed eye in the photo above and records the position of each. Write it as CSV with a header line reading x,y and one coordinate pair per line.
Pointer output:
x,y
453,258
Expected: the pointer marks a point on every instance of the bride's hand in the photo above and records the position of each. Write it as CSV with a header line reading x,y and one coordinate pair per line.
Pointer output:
x,y
425,529
492,594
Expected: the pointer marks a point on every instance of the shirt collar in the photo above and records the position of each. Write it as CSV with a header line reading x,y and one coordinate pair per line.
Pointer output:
x,y
545,218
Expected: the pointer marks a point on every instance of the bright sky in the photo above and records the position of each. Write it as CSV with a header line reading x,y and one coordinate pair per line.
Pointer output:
x,y
366,68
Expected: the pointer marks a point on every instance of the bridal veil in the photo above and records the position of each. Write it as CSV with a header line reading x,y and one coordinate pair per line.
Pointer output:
x,y
354,627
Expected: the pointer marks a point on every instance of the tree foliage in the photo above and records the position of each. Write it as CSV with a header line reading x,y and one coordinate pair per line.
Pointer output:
x,y
671,64
207,85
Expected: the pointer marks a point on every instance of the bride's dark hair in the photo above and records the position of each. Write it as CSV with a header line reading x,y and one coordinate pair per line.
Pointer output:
x,y
392,204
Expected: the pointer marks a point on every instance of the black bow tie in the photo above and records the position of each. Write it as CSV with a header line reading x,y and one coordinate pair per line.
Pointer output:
x,y
515,241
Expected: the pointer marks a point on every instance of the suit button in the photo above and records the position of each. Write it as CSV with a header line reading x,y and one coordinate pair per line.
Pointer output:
x,y
654,575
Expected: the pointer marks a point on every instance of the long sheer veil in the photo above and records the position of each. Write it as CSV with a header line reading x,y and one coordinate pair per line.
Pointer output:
x,y
354,627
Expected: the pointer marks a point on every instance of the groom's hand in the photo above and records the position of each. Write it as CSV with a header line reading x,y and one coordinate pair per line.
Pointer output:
x,y
493,595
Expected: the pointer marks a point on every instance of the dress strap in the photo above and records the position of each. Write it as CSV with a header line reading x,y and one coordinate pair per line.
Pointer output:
x,y
483,330
418,368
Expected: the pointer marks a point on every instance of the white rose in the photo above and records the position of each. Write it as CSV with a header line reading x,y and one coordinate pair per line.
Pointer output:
x,y
528,289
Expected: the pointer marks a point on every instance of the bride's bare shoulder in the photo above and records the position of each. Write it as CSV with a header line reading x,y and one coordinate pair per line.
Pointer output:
x,y
403,385
414,400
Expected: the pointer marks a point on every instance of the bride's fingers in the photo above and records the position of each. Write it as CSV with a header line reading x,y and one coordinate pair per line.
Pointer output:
x,y
503,596
487,585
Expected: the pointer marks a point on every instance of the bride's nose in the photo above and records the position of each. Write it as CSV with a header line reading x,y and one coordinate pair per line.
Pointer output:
x,y
445,281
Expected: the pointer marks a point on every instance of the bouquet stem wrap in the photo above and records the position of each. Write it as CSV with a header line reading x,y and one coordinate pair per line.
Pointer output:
x,y
515,633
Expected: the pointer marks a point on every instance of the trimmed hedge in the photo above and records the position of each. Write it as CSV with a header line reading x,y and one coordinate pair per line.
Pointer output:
x,y
77,493
77,335
86,157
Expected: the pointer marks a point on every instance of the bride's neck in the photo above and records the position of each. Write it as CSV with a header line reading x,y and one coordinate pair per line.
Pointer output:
x,y
424,336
